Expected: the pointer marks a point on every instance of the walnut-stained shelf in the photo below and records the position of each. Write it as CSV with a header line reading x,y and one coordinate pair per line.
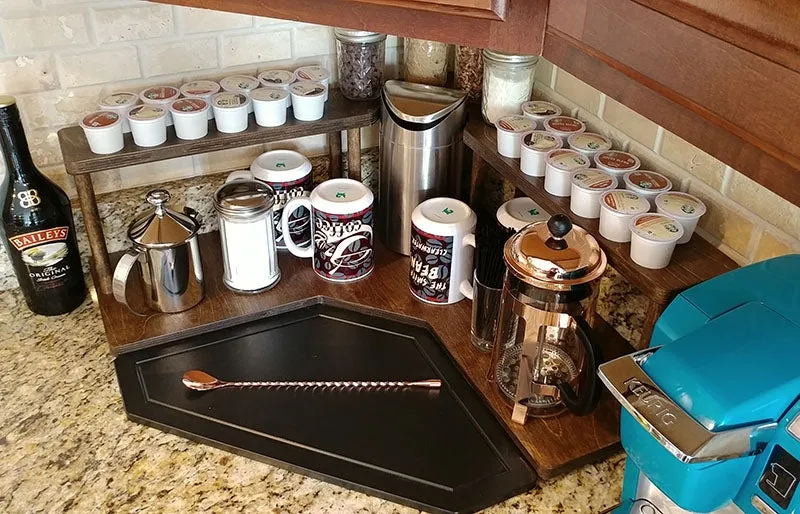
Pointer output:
x,y
553,446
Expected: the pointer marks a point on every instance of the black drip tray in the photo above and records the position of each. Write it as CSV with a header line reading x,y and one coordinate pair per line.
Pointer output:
x,y
437,450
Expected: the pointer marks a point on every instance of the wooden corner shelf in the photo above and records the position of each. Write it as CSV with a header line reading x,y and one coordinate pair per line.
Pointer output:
x,y
692,263
340,114
552,446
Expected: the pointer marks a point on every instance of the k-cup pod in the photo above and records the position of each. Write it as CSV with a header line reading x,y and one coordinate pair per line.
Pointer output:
x,y
520,212
190,117
160,96
617,163
560,165
315,73
685,208
534,149
589,143
230,111
148,125
587,188
509,134
539,111
563,126
120,103
653,239
278,79
647,184
269,106
617,208
103,131
243,84
308,100
203,89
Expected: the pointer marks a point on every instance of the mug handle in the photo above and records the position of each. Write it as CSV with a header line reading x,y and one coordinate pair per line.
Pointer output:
x,y
119,282
466,285
291,206
239,175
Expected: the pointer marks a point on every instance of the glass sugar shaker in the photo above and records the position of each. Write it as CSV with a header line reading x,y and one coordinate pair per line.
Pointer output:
x,y
425,62
469,71
507,83
247,232
360,55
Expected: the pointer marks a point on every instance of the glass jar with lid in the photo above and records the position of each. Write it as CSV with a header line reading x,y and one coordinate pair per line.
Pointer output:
x,y
469,71
360,55
425,62
507,83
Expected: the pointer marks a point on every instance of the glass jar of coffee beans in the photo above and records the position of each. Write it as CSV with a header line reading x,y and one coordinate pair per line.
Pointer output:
x,y
469,71
360,55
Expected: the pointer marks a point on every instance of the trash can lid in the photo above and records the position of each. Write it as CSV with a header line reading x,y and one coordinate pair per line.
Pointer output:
x,y
418,103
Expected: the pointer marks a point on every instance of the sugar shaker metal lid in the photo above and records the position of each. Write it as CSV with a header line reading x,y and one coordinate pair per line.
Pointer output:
x,y
162,227
244,198
554,255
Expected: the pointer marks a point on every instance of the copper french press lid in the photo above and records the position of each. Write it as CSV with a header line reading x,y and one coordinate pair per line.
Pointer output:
x,y
554,255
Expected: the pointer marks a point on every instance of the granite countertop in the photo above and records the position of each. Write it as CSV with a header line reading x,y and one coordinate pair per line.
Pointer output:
x,y
68,446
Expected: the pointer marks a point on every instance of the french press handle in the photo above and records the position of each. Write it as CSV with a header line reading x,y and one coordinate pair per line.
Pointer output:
x,y
586,401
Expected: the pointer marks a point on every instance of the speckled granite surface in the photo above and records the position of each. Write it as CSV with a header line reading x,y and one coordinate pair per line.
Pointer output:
x,y
67,445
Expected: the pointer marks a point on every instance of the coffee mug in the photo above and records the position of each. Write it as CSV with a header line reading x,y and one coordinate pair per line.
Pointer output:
x,y
442,246
288,173
341,229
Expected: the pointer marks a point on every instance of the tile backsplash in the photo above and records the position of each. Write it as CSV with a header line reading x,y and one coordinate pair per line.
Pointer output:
x,y
58,57
744,219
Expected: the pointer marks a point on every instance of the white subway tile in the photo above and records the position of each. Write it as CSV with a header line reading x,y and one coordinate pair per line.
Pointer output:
x,y
106,65
44,31
179,56
204,20
313,40
131,23
256,48
57,108
27,73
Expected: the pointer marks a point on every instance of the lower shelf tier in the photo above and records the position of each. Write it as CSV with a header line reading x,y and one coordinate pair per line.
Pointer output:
x,y
553,446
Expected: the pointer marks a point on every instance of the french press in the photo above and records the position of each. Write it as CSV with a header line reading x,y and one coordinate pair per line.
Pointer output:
x,y
166,248
544,360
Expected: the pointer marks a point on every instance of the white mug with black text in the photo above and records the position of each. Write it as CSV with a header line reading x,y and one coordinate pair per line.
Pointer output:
x,y
442,247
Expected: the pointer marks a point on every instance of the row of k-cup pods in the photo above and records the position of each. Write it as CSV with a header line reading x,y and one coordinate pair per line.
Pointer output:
x,y
202,101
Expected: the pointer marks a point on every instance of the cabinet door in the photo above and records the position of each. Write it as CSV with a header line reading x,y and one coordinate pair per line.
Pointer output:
x,y
491,9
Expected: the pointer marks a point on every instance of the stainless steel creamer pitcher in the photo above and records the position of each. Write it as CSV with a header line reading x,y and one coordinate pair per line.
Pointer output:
x,y
165,246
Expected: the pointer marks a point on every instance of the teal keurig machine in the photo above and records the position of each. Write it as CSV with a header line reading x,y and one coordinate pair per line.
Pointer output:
x,y
711,410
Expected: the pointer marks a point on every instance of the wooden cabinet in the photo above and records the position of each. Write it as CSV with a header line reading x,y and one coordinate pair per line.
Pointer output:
x,y
490,9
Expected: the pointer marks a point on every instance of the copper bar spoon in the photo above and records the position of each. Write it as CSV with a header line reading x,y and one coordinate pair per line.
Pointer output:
x,y
202,381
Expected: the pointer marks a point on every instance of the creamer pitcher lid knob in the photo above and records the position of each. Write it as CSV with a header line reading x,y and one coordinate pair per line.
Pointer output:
x,y
157,198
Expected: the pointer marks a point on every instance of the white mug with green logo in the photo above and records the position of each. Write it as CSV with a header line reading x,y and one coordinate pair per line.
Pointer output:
x,y
442,245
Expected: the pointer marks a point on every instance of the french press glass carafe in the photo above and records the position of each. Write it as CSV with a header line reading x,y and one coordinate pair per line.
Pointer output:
x,y
544,360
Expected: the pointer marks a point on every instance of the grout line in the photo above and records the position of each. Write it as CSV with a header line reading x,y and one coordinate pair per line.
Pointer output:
x,y
601,107
727,177
659,140
752,244
554,77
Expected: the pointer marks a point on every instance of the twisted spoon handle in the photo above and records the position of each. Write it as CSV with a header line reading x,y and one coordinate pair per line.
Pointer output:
x,y
350,384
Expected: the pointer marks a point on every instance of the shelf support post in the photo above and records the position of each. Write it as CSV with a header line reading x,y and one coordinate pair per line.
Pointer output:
x,y
354,153
94,231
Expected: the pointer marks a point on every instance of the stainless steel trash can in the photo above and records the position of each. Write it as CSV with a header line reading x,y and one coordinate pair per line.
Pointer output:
x,y
421,154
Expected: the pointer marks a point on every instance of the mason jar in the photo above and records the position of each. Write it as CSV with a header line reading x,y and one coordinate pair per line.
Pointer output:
x,y
425,62
360,55
507,83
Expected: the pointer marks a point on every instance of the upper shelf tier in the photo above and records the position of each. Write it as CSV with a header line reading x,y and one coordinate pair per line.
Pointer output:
x,y
692,263
340,114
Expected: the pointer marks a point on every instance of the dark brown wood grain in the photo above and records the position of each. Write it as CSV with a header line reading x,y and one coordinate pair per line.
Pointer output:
x,y
489,9
522,31
335,152
340,114
728,101
553,445
691,263
94,232
354,154
769,28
